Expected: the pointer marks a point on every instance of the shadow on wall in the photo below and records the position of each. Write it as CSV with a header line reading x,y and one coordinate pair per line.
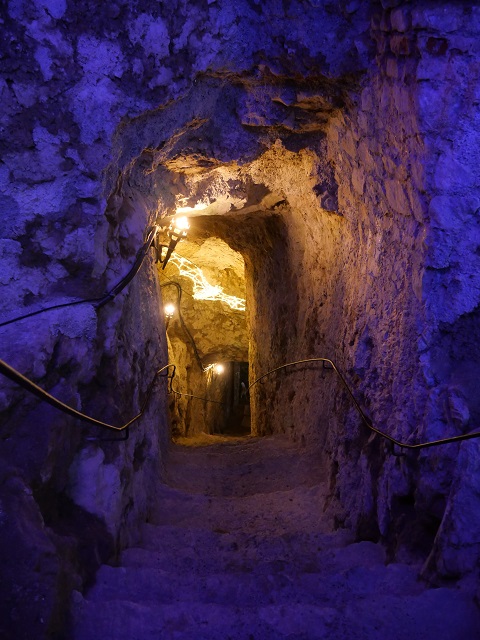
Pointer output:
x,y
456,360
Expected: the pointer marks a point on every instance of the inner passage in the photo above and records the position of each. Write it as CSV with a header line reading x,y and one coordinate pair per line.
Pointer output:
x,y
203,291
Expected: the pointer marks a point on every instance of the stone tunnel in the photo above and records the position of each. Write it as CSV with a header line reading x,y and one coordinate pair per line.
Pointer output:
x,y
326,155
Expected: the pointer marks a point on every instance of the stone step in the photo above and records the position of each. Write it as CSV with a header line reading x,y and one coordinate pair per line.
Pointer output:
x,y
298,509
440,614
209,541
245,471
244,481
307,547
252,589
231,556
123,620
245,449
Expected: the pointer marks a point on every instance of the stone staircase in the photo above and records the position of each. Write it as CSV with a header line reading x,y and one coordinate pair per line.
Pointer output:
x,y
239,548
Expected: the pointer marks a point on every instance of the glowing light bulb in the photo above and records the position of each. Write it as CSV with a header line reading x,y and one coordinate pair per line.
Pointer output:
x,y
181,223
219,369
169,310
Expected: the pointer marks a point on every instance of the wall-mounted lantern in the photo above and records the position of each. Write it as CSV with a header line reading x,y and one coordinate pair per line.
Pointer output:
x,y
169,309
177,230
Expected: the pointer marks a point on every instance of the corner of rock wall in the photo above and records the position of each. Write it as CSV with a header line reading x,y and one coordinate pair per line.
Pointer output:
x,y
448,78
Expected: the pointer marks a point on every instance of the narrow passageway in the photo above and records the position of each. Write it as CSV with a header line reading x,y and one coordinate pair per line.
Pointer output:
x,y
203,292
241,546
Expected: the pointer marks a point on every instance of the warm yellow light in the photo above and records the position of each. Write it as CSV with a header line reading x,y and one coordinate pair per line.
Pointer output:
x,y
198,207
216,367
169,310
181,223
202,289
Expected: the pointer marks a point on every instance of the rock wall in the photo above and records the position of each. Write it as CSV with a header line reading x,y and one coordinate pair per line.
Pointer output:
x,y
378,152
346,133
448,80
69,500
421,108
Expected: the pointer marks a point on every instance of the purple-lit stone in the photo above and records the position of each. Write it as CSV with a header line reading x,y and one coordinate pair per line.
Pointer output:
x,y
336,148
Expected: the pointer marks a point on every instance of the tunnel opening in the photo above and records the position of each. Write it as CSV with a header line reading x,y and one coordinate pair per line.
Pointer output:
x,y
238,421
245,253
325,243
203,292
268,190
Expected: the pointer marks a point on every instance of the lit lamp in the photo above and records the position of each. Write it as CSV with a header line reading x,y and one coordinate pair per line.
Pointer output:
x,y
219,369
169,310
176,231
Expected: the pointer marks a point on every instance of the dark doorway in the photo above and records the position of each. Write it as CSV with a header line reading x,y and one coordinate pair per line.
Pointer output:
x,y
236,400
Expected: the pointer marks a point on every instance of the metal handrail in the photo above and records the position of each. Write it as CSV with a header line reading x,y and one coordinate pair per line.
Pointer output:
x,y
190,395
29,385
365,420
179,288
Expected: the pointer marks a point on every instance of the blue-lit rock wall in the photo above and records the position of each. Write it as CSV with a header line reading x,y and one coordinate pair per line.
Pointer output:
x,y
448,86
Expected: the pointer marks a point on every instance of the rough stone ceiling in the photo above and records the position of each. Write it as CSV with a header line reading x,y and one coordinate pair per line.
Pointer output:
x,y
196,152
225,190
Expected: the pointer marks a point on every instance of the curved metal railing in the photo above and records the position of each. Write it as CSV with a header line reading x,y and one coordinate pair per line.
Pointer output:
x,y
29,385
365,420
191,395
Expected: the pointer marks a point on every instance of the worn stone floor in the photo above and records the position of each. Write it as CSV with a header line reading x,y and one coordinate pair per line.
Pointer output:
x,y
239,547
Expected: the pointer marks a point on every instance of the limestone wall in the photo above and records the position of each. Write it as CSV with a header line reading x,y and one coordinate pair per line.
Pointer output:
x,y
448,81
69,502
